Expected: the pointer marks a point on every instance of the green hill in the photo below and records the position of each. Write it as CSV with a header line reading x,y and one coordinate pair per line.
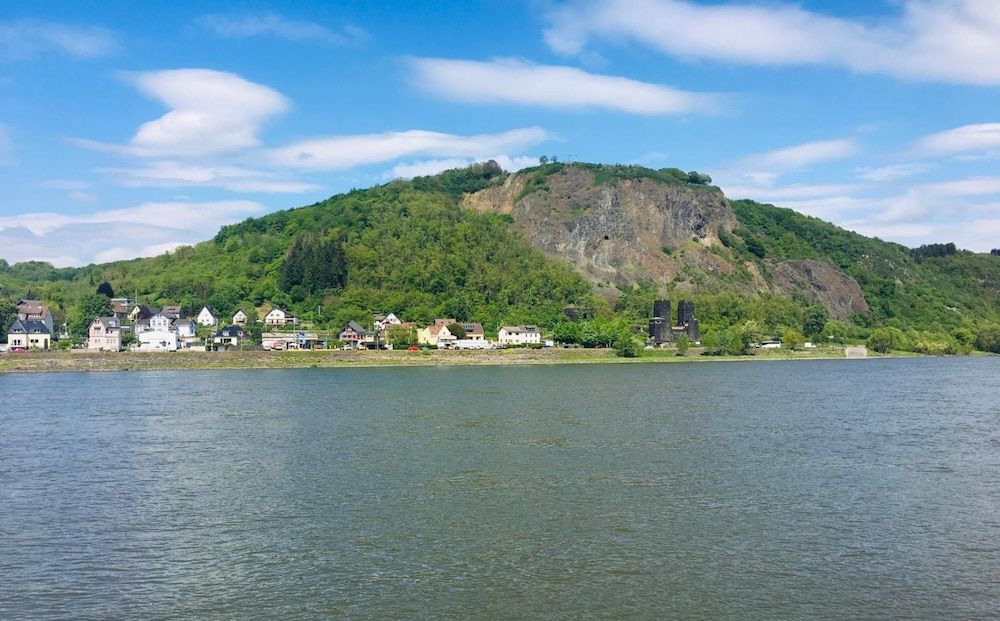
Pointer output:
x,y
478,244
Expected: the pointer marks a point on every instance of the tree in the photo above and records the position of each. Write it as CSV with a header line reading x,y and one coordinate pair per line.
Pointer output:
x,y
683,343
457,330
988,339
626,345
792,339
814,319
89,307
400,337
106,290
8,313
751,334
883,340
543,160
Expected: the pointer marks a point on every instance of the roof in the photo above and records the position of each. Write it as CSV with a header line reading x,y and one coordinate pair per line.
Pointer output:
x,y
353,325
28,326
210,311
230,332
107,322
524,328
472,328
183,322
174,311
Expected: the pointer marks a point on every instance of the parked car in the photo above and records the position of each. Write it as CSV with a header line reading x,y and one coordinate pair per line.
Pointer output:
x,y
412,348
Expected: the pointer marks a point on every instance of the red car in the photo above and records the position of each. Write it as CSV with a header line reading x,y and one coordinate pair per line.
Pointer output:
x,y
412,348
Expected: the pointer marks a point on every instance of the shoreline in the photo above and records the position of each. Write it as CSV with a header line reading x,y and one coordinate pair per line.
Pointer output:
x,y
63,361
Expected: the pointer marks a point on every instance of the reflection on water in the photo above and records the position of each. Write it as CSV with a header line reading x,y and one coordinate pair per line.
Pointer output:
x,y
828,489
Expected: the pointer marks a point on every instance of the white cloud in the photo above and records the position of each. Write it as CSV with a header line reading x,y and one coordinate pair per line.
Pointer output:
x,y
789,192
892,172
513,81
143,230
339,152
803,155
168,174
762,170
29,38
983,137
211,113
271,25
954,41
423,168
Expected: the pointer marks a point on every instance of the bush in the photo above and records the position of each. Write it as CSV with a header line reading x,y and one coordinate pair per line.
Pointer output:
x,y
988,339
884,340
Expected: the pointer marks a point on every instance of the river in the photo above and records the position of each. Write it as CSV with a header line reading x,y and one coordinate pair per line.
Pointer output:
x,y
753,490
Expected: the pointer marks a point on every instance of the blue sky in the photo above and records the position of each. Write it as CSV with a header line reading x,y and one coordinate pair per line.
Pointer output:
x,y
129,128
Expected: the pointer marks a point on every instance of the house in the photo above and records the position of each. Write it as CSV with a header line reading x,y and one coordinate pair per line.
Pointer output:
x,y
519,335
28,334
105,334
241,318
187,332
207,318
279,317
120,311
160,322
139,312
230,336
34,310
354,335
173,312
284,340
157,340
437,334
382,322
473,331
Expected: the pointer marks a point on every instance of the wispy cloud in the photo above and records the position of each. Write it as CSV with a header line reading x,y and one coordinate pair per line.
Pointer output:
x,y
893,172
953,41
169,174
513,81
144,230
272,25
29,38
762,170
340,152
978,138
211,113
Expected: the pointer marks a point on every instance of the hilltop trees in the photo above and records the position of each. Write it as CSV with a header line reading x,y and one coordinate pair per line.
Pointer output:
x,y
105,289
313,264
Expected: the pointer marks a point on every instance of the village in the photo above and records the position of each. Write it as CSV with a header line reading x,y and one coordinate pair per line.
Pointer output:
x,y
137,327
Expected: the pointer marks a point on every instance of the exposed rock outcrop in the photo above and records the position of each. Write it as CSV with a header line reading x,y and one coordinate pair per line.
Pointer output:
x,y
821,282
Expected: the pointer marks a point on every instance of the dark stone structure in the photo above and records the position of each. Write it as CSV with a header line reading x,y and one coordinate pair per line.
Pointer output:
x,y
660,329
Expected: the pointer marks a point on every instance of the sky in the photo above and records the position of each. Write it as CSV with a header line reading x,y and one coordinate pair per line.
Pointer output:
x,y
128,129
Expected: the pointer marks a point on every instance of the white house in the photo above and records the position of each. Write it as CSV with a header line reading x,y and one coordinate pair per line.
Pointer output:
x,y
382,322
279,317
156,340
240,318
519,335
160,322
230,336
187,332
207,318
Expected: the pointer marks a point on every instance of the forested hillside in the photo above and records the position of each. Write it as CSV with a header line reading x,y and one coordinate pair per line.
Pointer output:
x,y
413,248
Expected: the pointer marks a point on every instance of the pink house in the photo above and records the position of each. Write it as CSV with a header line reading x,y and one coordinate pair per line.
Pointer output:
x,y
105,334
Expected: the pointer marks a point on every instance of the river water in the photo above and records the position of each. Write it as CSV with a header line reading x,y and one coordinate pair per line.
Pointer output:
x,y
757,490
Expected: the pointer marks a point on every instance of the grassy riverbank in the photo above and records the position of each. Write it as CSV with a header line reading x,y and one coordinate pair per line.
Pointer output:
x,y
134,361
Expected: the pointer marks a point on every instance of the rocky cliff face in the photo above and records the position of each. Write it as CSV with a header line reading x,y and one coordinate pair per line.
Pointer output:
x,y
615,233
626,231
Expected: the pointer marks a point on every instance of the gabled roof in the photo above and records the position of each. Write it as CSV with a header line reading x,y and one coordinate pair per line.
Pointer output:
x,y
524,328
174,312
28,326
183,322
353,325
107,322
230,332
472,327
